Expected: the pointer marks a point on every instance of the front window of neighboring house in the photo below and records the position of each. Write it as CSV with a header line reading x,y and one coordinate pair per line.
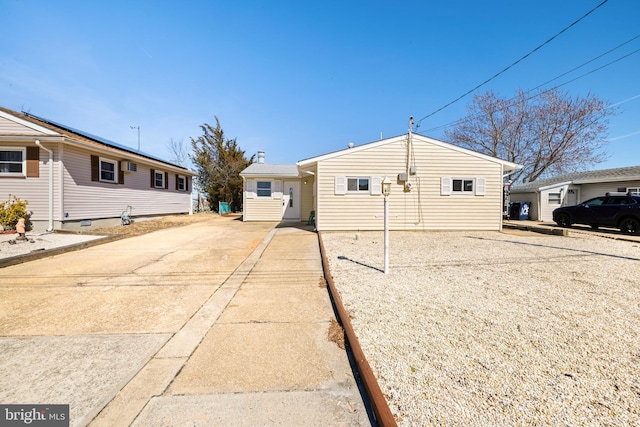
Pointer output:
x,y
356,185
158,179
462,185
108,170
554,198
12,161
182,186
264,189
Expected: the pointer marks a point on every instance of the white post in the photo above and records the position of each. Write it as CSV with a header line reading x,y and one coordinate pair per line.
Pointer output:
x,y
386,235
386,190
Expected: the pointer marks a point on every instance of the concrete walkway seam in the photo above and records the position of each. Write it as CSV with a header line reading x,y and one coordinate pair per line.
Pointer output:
x,y
158,374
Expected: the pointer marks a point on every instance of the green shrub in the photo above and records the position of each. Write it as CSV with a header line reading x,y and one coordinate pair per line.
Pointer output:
x,y
11,211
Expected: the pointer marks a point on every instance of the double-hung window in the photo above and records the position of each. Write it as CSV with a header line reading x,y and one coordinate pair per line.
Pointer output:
x,y
357,185
452,186
463,185
108,170
264,189
12,161
158,179
181,183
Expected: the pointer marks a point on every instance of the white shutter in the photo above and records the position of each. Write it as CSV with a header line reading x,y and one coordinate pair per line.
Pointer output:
x,y
251,189
376,186
340,185
276,189
445,186
480,186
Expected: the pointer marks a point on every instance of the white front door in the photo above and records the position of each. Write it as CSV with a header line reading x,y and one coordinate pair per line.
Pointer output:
x,y
291,200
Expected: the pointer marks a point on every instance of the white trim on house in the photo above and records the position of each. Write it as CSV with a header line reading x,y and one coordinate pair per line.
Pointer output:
x,y
28,124
355,149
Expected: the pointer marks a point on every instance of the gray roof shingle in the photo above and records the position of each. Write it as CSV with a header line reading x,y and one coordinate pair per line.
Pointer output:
x,y
265,169
616,174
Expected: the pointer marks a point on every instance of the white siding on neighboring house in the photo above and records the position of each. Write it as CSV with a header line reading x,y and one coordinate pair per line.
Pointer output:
x,y
589,191
425,207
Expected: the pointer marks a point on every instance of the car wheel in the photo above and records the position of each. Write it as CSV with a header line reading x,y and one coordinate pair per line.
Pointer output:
x,y
563,220
630,226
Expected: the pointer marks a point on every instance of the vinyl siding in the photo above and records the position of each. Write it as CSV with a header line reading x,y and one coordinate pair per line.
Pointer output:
x,y
546,209
86,199
10,127
262,209
306,198
589,191
424,208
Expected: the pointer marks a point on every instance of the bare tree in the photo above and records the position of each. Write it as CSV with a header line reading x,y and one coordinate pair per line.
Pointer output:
x,y
179,154
551,133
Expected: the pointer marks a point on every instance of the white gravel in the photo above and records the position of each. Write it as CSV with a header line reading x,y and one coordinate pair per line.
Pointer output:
x,y
494,329
39,241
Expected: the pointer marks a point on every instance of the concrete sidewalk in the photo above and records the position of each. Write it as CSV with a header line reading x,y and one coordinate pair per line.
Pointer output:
x,y
255,353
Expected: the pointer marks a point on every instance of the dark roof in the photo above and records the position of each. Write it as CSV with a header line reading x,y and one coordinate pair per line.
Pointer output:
x,y
75,133
604,175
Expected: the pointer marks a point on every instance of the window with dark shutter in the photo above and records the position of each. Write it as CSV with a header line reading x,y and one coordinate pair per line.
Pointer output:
x,y
95,168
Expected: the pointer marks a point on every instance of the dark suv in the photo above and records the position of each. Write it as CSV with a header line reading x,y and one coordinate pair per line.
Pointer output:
x,y
612,210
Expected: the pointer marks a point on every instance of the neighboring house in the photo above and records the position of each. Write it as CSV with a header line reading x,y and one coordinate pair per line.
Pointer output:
x,y
72,179
545,195
435,186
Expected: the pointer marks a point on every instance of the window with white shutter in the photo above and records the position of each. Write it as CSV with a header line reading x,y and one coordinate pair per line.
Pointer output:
x,y
445,186
376,186
340,185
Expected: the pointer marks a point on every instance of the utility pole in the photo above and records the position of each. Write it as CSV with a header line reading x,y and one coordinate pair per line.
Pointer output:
x,y
137,127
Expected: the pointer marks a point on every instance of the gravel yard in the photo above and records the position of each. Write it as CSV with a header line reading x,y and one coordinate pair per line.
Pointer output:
x,y
497,329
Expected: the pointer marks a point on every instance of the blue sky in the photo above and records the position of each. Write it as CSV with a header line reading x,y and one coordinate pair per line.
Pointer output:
x,y
299,79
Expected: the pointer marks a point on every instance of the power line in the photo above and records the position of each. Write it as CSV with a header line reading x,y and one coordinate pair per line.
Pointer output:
x,y
510,66
510,102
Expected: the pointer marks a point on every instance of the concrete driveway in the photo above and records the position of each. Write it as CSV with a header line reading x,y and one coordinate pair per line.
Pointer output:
x,y
124,331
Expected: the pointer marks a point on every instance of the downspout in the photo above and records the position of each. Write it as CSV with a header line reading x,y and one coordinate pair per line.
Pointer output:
x,y
244,199
50,184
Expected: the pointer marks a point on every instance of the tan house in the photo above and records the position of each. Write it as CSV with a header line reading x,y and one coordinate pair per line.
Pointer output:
x,y
546,195
75,180
435,186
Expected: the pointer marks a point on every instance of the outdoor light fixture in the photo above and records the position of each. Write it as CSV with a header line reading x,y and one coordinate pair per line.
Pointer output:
x,y
386,186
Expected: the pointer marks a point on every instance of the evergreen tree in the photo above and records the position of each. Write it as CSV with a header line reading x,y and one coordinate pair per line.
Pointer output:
x,y
218,162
